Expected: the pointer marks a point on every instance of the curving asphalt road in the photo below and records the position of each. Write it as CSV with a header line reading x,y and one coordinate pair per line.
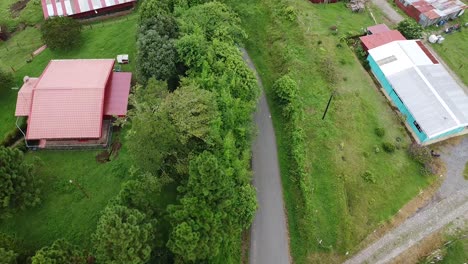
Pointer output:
x,y
269,235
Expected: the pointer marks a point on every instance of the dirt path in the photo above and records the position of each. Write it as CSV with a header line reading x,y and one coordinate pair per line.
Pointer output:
x,y
387,9
449,204
269,237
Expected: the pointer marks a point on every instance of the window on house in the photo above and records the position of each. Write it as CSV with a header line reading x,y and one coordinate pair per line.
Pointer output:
x,y
417,126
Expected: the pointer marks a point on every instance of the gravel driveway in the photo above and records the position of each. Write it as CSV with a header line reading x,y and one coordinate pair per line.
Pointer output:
x,y
449,204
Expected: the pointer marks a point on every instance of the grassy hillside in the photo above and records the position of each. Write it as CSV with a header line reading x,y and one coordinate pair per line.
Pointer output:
x,y
345,205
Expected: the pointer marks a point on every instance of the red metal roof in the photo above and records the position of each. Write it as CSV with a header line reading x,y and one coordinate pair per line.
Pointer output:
x,y
71,97
379,39
117,94
378,28
67,113
67,101
427,52
23,102
72,7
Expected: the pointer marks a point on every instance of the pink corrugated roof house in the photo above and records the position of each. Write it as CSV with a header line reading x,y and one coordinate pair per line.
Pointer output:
x,y
71,99
83,8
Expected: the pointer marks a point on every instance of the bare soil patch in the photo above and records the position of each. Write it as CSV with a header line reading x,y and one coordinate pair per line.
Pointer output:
x,y
15,9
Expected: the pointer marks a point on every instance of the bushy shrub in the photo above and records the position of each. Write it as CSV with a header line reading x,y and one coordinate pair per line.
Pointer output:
x,y
285,90
61,33
410,29
380,131
388,147
7,256
419,153
369,177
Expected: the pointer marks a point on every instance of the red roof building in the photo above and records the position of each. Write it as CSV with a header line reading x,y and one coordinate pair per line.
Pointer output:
x,y
83,8
379,39
71,99
377,29
429,12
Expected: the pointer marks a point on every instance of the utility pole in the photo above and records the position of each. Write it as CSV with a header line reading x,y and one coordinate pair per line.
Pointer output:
x,y
328,104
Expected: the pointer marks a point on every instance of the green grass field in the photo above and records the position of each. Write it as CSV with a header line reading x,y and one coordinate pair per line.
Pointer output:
x,y
457,252
453,47
344,207
102,40
30,15
65,212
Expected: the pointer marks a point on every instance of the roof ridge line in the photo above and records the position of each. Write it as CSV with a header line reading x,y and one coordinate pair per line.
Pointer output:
x,y
439,98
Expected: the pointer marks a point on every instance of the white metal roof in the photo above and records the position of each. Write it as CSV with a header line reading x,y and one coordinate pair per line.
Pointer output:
x,y
437,102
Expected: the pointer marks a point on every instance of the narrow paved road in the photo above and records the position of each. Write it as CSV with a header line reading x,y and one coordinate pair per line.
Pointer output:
x,y
269,238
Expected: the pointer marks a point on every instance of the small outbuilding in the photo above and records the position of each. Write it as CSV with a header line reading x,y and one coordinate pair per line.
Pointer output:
x,y
433,104
71,104
84,8
380,37
430,12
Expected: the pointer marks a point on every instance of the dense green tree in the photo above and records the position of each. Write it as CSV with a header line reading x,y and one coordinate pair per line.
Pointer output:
x,y
7,256
215,19
61,33
156,56
58,253
410,29
171,127
18,188
194,113
6,80
198,228
163,24
151,8
210,210
142,193
123,236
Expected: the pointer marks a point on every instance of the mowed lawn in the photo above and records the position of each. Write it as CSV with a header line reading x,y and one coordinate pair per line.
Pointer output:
x,y
344,207
101,40
65,211
454,50
29,15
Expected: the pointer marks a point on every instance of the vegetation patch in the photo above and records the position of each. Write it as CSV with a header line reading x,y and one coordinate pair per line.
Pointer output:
x,y
465,172
331,209
454,45
65,211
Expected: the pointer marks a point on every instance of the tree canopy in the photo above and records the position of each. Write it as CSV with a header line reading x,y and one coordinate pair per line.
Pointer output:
x,y
59,252
7,256
61,33
19,189
156,56
410,29
123,236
